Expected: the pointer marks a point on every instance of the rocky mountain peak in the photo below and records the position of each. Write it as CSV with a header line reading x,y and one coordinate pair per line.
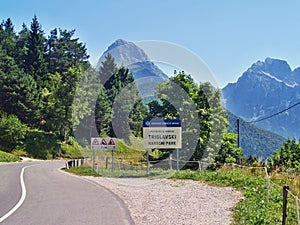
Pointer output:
x,y
146,74
274,68
125,54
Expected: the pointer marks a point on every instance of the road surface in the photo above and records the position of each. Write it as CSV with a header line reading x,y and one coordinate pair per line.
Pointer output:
x,y
39,193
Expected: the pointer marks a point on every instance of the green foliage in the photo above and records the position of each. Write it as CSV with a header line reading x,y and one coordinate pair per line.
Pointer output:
x,y
7,157
38,78
18,93
288,158
254,209
41,144
34,58
228,152
118,100
71,149
193,101
84,170
12,132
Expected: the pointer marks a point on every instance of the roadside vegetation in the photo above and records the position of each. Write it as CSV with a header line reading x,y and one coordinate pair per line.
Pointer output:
x,y
7,157
256,207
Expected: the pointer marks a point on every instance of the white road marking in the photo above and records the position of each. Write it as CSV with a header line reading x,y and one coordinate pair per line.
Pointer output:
x,y
23,196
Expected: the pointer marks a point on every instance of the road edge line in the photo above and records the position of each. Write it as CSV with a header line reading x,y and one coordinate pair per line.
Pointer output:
x,y
23,196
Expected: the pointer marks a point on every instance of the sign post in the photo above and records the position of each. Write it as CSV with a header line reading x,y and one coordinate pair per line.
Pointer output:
x,y
170,159
162,134
98,143
147,161
112,160
177,159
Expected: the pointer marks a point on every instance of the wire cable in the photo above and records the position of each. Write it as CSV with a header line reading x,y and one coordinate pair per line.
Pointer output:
x,y
275,114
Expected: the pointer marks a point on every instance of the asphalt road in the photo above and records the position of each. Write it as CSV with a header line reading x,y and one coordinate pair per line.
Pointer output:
x,y
54,197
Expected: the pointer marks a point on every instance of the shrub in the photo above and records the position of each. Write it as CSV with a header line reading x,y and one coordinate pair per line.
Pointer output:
x,y
71,149
41,144
12,132
7,157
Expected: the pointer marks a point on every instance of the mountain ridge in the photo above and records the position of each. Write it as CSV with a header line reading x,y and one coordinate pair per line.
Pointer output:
x,y
265,88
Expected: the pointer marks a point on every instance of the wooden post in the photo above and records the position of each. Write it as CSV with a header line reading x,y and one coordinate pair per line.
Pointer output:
x,y
106,162
284,204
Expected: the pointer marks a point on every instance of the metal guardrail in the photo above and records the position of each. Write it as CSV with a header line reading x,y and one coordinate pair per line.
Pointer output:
x,y
75,162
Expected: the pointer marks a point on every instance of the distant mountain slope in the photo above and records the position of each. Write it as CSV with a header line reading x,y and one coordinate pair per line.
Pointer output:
x,y
265,88
254,140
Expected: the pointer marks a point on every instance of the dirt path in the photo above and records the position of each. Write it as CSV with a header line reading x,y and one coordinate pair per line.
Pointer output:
x,y
168,202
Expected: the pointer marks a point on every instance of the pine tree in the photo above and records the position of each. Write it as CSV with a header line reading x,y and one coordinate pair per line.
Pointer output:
x,y
107,70
34,61
18,92
21,47
103,113
8,38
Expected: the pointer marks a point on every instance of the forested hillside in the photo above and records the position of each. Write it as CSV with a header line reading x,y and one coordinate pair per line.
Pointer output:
x,y
254,140
38,77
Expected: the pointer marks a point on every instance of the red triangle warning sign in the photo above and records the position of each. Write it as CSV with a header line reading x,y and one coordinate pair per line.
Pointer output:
x,y
103,142
111,142
95,142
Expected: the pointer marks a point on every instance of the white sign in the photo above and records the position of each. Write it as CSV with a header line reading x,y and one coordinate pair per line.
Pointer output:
x,y
162,134
103,143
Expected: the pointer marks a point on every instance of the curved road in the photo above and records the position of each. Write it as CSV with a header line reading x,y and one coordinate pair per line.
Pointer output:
x,y
54,197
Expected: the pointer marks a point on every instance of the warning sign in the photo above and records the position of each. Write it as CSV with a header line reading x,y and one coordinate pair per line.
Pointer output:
x,y
103,143
111,142
95,142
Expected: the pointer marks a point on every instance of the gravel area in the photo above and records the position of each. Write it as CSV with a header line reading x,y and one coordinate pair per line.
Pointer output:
x,y
173,202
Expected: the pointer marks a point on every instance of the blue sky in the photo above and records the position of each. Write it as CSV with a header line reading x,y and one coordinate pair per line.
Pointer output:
x,y
227,35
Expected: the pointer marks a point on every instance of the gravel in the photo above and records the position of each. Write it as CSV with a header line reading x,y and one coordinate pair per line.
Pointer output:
x,y
173,202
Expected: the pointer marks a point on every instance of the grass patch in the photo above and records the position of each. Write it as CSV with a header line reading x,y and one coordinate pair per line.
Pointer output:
x,y
84,170
255,208
135,173
87,170
8,157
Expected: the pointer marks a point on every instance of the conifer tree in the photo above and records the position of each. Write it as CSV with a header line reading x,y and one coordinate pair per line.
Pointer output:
x,y
35,62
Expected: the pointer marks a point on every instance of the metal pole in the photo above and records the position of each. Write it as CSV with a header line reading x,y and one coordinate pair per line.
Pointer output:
x,y
147,161
177,159
94,160
238,132
112,160
170,157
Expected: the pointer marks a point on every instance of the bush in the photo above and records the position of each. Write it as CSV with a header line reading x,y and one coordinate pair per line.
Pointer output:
x,y
71,149
41,144
12,132
7,157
